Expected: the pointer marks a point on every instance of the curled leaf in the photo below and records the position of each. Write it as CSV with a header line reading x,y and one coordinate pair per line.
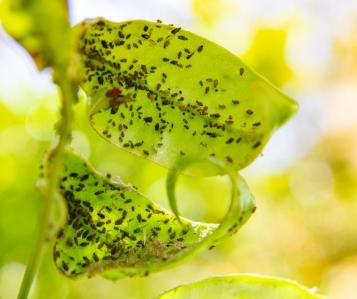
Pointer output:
x,y
162,92
241,287
240,203
112,229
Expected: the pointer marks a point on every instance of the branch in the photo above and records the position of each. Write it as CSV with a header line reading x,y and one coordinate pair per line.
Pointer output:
x,y
52,170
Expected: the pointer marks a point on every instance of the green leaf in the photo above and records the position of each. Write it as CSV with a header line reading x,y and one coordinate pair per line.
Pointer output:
x,y
41,27
162,92
114,230
241,287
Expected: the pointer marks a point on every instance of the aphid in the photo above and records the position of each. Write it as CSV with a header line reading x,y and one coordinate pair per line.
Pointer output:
x,y
166,44
84,177
257,124
215,115
95,257
118,221
257,144
181,37
104,44
148,119
120,34
175,30
113,92
249,112
64,266
230,140
241,71
211,134
229,159
102,216
235,102
100,223
143,68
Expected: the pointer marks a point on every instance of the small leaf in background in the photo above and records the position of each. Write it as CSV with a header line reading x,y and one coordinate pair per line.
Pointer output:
x,y
267,55
162,92
41,27
241,287
114,230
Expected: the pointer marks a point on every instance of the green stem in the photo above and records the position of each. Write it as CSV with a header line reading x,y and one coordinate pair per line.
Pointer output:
x,y
52,170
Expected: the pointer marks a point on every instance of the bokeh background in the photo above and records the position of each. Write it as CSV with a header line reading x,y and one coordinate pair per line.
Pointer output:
x,y
305,182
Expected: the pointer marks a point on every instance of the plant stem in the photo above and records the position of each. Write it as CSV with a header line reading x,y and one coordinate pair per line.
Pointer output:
x,y
52,170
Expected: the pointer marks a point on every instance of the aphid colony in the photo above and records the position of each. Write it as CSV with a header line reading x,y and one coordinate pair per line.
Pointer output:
x,y
149,91
111,225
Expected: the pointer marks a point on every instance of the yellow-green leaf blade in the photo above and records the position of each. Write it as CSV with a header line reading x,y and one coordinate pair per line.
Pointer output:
x,y
162,92
115,231
241,287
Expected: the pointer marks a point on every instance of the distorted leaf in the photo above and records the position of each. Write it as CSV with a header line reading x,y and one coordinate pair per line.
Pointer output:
x,y
241,287
41,27
162,92
114,230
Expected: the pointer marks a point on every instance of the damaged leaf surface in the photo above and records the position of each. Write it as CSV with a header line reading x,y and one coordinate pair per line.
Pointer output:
x,y
162,92
114,230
